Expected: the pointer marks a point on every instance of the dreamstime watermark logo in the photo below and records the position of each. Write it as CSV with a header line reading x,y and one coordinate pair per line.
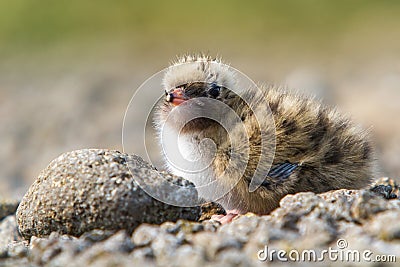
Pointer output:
x,y
164,123
341,253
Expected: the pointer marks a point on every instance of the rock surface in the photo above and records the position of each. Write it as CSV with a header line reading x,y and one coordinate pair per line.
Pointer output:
x,y
94,189
343,220
364,222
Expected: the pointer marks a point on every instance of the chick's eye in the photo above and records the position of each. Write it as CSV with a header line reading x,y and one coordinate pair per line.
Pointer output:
x,y
214,90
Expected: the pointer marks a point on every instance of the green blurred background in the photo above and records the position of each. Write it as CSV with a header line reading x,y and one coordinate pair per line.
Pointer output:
x,y
69,68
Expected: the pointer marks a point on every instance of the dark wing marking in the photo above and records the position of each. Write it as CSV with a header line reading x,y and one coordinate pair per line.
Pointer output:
x,y
279,172
282,171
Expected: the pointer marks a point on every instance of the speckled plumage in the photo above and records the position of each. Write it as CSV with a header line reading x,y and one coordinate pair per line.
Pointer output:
x,y
328,150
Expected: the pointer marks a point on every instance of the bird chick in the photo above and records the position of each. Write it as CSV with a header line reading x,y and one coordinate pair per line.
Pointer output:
x,y
315,148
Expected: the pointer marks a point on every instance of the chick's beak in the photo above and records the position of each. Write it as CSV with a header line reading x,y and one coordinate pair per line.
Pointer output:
x,y
176,97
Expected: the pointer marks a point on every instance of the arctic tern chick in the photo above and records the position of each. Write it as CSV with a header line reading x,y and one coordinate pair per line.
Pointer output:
x,y
316,148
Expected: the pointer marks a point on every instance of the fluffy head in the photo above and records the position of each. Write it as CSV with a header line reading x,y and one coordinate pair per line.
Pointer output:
x,y
193,78
198,68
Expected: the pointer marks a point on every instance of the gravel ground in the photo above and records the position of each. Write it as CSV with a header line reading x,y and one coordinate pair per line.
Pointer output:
x,y
55,226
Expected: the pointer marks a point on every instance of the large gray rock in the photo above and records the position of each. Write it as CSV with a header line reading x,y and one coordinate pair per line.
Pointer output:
x,y
94,189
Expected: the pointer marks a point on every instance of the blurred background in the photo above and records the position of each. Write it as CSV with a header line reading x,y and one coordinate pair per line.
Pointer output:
x,y
69,68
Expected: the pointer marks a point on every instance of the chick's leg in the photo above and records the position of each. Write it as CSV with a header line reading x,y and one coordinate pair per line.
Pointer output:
x,y
224,219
